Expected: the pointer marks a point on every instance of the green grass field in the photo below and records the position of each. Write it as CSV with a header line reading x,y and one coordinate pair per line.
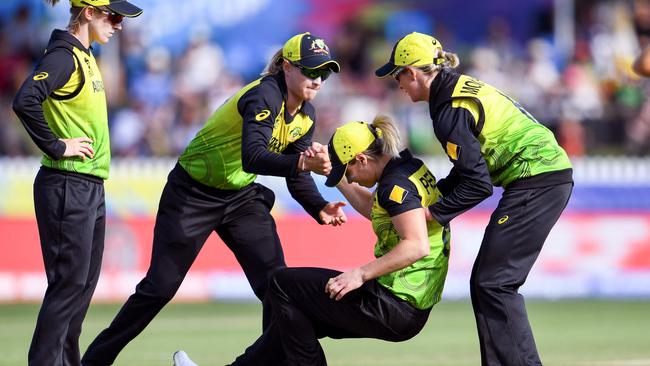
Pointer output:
x,y
612,333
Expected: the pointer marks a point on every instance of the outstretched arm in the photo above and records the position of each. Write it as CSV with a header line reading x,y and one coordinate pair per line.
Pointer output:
x,y
469,181
303,189
332,214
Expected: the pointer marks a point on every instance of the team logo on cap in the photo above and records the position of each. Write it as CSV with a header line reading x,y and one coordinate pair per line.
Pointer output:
x,y
319,46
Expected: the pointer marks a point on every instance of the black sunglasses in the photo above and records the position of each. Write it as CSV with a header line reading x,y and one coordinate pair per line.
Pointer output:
x,y
114,18
397,72
314,74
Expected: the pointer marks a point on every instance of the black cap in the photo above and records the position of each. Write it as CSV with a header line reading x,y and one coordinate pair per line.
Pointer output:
x,y
309,51
338,168
124,8
121,7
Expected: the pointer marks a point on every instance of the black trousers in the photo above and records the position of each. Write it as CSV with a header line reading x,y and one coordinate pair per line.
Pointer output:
x,y
303,313
188,213
71,218
512,241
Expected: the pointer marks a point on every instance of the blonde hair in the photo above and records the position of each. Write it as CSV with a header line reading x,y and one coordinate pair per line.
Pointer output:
x,y
449,60
275,65
76,18
388,140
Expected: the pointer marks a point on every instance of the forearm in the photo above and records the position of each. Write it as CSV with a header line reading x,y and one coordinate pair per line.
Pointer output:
x,y
467,194
359,197
303,189
405,253
259,160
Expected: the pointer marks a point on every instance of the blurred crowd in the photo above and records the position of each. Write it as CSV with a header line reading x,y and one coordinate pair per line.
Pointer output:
x,y
582,88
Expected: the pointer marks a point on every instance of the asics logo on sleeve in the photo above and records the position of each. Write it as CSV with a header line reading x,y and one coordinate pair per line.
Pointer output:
x,y
503,219
41,76
262,115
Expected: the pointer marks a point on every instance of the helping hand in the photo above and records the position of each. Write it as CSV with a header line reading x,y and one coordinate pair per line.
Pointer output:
x,y
316,159
315,148
332,214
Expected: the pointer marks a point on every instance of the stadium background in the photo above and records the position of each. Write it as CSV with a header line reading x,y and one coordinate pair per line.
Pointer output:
x,y
567,62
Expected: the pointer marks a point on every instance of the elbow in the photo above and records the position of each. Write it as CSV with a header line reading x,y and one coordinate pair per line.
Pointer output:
x,y
246,167
18,106
248,162
253,159
488,189
483,189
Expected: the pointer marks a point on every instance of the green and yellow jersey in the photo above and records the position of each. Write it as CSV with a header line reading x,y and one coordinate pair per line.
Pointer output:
x,y
407,184
491,140
513,144
252,133
64,98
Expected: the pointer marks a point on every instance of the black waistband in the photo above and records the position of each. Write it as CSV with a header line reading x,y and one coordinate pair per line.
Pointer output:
x,y
543,180
180,173
89,177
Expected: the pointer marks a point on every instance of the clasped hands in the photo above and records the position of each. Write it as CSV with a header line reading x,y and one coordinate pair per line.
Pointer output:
x,y
315,159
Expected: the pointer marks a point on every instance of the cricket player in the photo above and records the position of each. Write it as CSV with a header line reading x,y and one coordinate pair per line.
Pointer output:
x,y
62,105
262,129
388,298
490,140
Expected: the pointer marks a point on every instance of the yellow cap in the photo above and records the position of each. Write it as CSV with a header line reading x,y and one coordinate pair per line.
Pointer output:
x,y
415,49
348,140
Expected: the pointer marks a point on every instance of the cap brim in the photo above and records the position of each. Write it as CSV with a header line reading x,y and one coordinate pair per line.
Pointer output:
x,y
336,175
386,70
319,62
124,8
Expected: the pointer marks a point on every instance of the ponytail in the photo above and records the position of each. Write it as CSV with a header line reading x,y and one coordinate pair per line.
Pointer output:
x,y
388,140
450,60
442,60
275,65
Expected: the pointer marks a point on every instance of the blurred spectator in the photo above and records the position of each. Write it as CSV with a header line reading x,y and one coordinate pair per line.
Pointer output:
x,y
22,38
200,66
153,88
127,129
590,98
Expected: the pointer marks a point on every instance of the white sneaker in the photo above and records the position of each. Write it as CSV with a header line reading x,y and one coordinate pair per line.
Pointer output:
x,y
182,359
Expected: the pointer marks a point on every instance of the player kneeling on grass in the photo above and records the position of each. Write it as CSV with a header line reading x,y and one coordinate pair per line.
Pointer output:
x,y
388,298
